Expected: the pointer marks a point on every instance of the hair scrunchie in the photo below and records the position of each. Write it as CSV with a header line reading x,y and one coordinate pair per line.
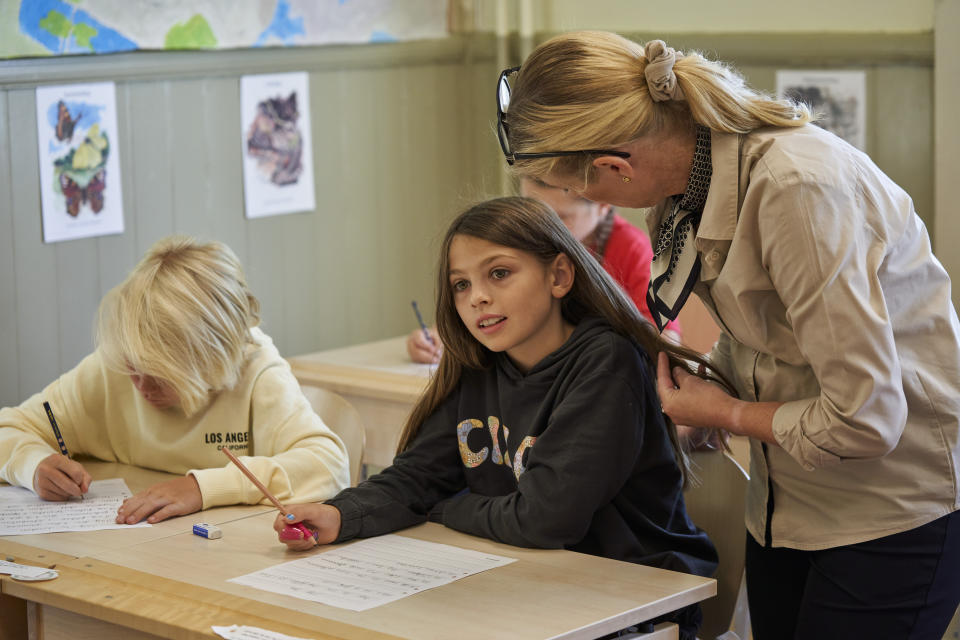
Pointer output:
x,y
661,79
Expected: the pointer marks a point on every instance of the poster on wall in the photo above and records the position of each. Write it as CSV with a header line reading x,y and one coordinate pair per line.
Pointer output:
x,y
79,161
837,97
277,144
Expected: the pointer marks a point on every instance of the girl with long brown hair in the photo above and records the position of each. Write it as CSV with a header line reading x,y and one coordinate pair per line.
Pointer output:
x,y
543,407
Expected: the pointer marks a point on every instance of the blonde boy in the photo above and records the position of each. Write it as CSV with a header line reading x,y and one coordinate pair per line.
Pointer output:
x,y
180,371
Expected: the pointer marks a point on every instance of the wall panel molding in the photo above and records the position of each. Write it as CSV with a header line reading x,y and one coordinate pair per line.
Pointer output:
x,y
798,49
167,65
782,49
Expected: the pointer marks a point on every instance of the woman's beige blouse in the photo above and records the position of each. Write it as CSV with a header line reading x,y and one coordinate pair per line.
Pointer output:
x,y
821,276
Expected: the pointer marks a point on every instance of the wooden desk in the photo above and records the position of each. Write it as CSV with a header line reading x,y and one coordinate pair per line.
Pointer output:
x,y
174,586
378,379
59,548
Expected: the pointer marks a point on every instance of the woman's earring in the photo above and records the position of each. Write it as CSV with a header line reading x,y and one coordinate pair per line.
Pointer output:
x,y
626,179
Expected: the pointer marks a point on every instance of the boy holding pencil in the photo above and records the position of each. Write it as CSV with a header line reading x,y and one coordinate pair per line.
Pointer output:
x,y
180,372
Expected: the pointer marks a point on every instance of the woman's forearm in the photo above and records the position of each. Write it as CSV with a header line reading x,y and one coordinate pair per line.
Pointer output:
x,y
752,419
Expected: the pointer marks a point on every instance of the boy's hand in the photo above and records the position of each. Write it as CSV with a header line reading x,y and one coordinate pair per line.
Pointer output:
x,y
324,519
59,478
176,497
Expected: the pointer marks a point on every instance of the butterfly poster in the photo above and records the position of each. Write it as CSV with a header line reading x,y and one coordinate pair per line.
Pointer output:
x,y
277,145
79,161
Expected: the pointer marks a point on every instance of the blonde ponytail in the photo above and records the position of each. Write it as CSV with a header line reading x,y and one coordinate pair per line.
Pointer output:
x,y
598,90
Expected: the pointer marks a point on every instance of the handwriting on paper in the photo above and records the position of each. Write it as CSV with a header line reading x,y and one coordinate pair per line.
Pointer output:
x,y
372,572
23,512
235,632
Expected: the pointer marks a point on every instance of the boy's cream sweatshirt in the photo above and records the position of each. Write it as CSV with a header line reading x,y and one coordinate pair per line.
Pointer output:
x,y
265,420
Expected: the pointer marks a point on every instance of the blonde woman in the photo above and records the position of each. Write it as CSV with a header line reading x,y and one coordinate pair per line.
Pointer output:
x,y
180,371
838,330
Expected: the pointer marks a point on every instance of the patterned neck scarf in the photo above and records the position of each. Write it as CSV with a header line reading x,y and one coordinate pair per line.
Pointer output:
x,y
676,264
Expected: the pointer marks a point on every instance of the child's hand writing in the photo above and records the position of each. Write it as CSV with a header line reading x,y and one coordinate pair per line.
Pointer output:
x,y
59,478
421,350
161,501
321,518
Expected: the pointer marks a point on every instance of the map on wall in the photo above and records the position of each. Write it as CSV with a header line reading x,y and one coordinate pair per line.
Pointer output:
x,y
69,27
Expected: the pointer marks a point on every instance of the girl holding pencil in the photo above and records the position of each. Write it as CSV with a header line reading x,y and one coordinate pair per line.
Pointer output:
x,y
543,406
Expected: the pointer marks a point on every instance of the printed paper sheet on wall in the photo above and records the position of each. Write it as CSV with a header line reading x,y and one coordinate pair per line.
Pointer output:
x,y
839,98
277,144
79,161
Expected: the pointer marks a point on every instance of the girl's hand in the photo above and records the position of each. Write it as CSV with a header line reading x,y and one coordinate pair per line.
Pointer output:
x,y
692,401
324,519
161,501
421,350
59,478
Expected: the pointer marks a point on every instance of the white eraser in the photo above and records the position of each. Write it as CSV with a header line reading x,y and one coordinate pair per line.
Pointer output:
x,y
205,530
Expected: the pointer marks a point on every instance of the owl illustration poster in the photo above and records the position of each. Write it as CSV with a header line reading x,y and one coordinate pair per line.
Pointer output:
x,y
79,161
277,145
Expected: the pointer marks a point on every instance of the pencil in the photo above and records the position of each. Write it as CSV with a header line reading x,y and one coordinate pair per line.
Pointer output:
x,y
423,325
259,485
269,496
56,429
56,432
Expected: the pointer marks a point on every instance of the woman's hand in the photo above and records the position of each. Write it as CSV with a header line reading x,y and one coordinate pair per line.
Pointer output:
x,y
161,501
59,478
324,519
692,401
422,350
696,402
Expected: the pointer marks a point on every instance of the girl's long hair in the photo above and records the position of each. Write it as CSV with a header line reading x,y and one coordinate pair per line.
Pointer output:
x,y
531,226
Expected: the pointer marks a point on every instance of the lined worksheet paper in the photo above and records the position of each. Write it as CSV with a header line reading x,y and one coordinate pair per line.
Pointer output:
x,y
235,632
23,512
372,572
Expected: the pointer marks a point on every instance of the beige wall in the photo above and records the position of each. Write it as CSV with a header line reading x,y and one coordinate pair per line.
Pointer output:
x,y
400,143
947,137
402,140
711,16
